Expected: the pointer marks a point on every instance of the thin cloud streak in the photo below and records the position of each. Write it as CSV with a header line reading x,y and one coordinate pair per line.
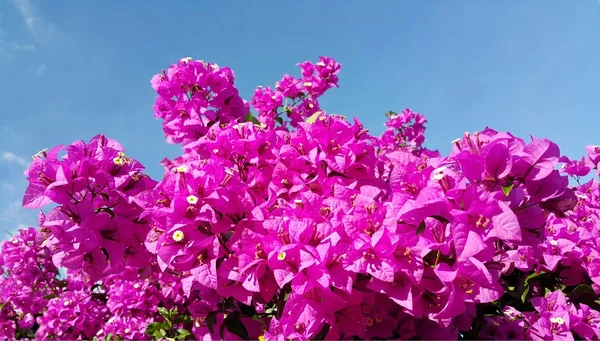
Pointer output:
x,y
8,157
40,28
40,70
16,47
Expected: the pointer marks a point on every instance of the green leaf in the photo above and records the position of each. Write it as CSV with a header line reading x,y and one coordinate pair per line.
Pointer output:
x,y
182,334
61,284
211,320
154,329
583,289
279,120
221,330
183,318
163,312
108,337
534,276
250,118
229,303
506,189
234,325
282,299
247,309
421,228
270,310
524,294
440,219
524,288
585,294
313,118
321,335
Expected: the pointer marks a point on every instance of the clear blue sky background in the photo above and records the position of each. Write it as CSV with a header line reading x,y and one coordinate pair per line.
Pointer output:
x,y
72,69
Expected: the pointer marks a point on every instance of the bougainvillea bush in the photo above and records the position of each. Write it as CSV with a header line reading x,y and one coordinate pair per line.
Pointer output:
x,y
282,222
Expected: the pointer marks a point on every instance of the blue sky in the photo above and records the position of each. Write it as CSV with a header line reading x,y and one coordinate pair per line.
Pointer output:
x,y
72,69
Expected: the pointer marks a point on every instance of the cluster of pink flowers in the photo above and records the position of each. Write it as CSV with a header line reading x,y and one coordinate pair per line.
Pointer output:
x,y
295,99
406,132
97,225
296,224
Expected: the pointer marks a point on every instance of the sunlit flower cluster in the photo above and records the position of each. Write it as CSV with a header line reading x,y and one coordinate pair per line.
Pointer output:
x,y
295,224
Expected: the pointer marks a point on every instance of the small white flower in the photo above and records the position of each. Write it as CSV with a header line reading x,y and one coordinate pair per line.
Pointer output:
x,y
192,199
438,173
40,153
178,236
119,161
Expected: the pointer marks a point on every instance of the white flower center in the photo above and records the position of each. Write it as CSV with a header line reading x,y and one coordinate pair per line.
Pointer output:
x,y
178,236
192,199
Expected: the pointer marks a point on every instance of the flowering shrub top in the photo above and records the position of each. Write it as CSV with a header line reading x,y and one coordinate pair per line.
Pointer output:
x,y
296,224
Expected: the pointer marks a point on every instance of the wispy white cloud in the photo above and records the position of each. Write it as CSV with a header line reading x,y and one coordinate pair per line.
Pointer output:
x,y
9,49
39,70
8,157
10,45
13,216
39,27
